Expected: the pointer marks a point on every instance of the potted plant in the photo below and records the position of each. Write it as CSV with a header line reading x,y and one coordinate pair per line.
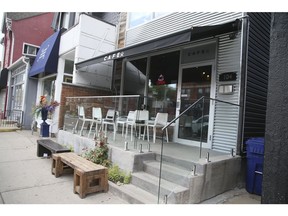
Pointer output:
x,y
45,109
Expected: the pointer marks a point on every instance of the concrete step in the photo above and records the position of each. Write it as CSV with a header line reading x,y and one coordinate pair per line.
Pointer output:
x,y
176,161
150,183
169,172
132,194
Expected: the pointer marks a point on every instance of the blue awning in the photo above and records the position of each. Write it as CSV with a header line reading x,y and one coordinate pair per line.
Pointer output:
x,y
47,56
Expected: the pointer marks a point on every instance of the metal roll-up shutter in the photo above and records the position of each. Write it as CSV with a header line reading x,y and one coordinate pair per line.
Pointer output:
x,y
257,75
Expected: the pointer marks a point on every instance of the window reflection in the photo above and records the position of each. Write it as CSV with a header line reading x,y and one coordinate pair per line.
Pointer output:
x,y
135,77
49,89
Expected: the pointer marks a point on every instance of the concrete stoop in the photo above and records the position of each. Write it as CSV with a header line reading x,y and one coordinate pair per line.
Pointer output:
x,y
144,184
178,182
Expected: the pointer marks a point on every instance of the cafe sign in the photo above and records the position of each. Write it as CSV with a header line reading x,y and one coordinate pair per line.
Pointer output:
x,y
114,56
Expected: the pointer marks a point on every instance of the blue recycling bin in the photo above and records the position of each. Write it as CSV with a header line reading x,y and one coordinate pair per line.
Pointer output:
x,y
255,160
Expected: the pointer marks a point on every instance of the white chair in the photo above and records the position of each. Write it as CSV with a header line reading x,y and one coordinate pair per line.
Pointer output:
x,y
121,120
82,117
142,117
137,118
130,122
97,119
160,121
110,120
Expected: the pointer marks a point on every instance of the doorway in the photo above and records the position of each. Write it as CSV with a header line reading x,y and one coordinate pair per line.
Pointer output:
x,y
194,126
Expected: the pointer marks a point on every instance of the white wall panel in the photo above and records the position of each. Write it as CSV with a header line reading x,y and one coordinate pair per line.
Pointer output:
x,y
176,22
226,116
95,38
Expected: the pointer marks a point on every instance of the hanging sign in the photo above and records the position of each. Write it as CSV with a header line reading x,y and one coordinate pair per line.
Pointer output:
x,y
161,80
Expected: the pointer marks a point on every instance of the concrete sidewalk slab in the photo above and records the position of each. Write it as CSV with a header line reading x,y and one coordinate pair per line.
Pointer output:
x,y
27,179
57,193
17,175
235,196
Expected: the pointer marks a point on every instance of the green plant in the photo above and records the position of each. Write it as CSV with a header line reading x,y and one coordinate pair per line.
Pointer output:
x,y
116,175
98,155
70,147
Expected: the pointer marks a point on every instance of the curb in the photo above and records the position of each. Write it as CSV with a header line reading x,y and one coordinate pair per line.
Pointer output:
x,y
9,129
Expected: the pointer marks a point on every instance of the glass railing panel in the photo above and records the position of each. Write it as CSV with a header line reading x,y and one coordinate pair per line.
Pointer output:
x,y
193,122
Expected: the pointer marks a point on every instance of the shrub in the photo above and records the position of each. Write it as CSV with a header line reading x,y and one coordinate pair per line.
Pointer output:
x,y
98,155
116,175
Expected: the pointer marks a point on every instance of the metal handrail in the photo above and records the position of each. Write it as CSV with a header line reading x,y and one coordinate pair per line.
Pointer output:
x,y
108,96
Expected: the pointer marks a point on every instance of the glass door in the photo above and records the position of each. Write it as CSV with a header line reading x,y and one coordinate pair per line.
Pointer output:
x,y
195,82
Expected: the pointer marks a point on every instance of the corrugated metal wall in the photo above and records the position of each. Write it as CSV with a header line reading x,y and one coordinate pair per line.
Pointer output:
x,y
257,75
226,116
176,22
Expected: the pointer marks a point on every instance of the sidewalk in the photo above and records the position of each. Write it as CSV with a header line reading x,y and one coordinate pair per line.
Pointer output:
x,y
27,179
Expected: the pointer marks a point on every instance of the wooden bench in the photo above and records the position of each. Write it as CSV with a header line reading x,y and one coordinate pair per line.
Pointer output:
x,y
88,176
47,146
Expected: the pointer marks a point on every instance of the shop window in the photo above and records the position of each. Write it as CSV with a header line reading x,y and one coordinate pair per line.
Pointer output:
x,y
135,77
68,79
68,71
18,96
68,68
17,87
49,89
160,88
163,78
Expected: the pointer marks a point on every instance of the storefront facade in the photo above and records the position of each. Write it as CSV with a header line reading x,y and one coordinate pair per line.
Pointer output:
x,y
178,64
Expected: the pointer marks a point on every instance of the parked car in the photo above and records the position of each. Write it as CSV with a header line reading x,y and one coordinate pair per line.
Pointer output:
x,y
197,124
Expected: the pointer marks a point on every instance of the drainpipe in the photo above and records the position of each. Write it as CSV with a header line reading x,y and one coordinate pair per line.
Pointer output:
x,y
7,59
243,66
6,96
25,82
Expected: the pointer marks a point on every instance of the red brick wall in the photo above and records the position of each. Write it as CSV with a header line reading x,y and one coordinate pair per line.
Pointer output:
x,y
32,30
69,90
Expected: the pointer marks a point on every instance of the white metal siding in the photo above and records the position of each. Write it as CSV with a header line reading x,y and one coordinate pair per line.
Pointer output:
x,y
176,22
226,116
